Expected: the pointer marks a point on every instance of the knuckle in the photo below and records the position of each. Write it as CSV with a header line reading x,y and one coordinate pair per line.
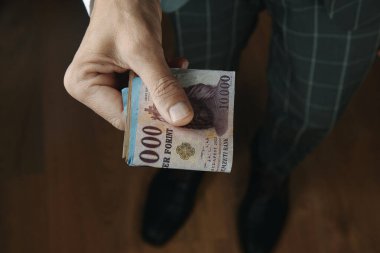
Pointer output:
x,y
74,81
68,81
117,123
166,87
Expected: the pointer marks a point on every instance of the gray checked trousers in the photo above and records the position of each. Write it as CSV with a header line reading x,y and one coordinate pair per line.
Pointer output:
x,y
314,68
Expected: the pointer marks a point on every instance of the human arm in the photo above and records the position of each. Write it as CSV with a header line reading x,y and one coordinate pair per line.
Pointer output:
x,y
125,35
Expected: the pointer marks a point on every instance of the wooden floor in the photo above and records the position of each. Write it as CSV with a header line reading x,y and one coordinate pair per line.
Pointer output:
x,y
64,187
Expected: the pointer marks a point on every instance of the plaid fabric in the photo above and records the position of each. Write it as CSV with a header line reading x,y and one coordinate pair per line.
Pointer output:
x,y
315,64
354,13
211,33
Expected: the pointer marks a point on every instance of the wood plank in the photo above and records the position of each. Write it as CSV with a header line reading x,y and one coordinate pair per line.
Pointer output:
x,y
64,187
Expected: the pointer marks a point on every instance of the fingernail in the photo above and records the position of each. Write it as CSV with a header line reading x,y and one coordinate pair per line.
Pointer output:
x,y
185,64
179,111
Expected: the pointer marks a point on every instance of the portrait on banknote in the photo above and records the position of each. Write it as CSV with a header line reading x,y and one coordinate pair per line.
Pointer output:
x,y
210,105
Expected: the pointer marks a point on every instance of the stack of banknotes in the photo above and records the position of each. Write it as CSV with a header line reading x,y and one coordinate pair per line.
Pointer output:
x,y
205,144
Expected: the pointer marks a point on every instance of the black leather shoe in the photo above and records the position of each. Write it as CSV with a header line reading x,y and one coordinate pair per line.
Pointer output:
x,y
169,203
263,213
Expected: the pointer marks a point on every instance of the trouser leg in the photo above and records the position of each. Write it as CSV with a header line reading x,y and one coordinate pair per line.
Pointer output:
x,y
212,33
314,69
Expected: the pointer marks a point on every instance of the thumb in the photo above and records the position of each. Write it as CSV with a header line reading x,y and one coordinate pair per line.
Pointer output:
x,y
166,92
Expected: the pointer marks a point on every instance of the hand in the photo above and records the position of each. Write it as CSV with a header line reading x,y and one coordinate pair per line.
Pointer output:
x,y
125,35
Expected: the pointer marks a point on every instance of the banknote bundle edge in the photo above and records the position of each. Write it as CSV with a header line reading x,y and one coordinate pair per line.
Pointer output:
x,y
127,100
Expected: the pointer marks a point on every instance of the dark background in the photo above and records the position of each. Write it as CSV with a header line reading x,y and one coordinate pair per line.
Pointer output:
x,y
64,187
